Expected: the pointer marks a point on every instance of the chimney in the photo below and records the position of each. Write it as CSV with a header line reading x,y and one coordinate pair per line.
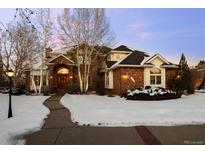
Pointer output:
x,y
48,52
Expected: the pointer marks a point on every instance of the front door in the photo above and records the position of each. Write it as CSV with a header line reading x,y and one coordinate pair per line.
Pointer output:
x,y
62,81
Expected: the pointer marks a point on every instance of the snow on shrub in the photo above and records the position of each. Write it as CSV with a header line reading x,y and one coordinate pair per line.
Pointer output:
x,y
151,93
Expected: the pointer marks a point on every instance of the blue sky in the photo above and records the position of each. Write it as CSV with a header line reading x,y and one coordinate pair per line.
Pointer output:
x,y
166,31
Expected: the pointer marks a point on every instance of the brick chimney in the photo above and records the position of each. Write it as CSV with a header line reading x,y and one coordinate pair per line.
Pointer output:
x,y
48,52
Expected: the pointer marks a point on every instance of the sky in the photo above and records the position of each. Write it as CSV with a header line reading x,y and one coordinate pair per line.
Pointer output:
x,y
169,32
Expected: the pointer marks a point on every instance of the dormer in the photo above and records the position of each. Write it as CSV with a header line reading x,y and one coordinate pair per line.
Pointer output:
x,y
118,53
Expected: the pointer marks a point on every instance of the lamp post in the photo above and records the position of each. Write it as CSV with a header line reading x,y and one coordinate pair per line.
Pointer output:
x,y
10,74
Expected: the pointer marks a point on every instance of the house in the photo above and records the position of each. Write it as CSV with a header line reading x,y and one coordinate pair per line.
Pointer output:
x,y
201,68
118,69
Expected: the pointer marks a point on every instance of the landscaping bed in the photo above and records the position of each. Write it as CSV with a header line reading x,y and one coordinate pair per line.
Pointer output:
x,y
151,93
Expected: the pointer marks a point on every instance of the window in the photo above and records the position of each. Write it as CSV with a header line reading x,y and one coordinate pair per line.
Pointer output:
x,y
155,76
117,56
107,79
37,80
44,80
63,71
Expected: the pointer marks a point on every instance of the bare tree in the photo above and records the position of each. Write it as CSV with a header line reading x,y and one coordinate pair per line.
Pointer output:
x,y
84,29
45,33
14,37
19,44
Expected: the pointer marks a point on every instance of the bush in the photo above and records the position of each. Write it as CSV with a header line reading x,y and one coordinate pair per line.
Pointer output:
x,y
73,89
100,90
21,86
148,87
151,94
47,90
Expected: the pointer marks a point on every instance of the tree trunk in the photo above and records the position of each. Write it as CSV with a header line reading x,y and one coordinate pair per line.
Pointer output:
x,y
41,77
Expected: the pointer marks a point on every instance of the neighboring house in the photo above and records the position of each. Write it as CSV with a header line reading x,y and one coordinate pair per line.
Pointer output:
x,y
201,68
119,69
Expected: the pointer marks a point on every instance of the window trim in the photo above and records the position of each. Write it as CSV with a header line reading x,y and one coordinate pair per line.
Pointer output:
x,y
155,75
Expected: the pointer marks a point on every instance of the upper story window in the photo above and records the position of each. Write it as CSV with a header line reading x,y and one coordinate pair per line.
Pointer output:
x,y
107,79
117,56
155,76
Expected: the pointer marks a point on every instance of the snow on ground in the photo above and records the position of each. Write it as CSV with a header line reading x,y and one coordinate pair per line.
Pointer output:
x,y
116,111
28,115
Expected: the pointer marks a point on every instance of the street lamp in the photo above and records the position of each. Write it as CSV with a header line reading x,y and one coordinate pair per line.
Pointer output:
x,y
10,74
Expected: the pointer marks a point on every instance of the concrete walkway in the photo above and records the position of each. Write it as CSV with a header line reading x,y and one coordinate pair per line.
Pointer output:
x,y
59,129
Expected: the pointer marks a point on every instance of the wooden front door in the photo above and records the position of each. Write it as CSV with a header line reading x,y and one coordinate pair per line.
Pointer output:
x,y
62,81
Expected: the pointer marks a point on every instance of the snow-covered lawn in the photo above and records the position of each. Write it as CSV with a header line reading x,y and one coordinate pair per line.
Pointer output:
x,y
116,111
28,115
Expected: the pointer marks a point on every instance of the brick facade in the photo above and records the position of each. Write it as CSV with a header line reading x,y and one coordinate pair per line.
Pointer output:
x,y
170,74
122,79
56,64
63,62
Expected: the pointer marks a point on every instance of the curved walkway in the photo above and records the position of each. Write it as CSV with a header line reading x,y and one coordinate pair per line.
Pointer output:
x,y
59,129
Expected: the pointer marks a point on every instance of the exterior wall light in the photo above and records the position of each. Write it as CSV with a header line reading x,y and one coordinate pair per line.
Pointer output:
x,y
125,76
51,77
178,77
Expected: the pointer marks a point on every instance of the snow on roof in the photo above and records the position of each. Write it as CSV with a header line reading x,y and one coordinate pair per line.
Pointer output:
x,y
63,50
38,65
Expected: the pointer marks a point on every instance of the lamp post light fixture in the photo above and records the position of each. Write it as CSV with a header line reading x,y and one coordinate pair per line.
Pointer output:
x,y
10,74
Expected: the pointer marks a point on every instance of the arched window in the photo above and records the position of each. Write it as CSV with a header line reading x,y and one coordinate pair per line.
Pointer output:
x,y
155,76
63,70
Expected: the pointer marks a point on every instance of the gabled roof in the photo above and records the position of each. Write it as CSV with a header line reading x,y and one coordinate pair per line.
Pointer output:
x,y
122,48
118,62
135,58
166,63
155,56
60,55
103,49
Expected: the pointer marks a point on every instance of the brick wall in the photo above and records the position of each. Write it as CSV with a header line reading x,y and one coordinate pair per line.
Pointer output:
x,y
170,74
94,73
123,83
